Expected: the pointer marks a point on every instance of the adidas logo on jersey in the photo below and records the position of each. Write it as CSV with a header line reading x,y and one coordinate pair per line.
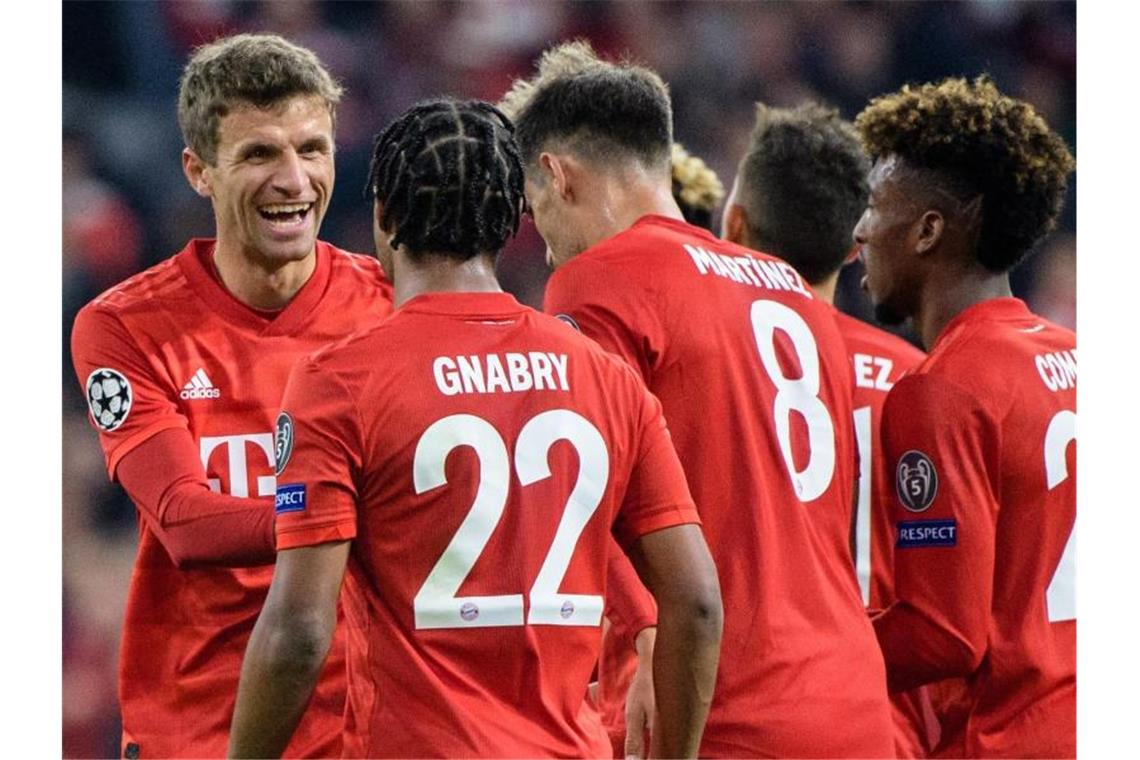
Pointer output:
x,y
199,387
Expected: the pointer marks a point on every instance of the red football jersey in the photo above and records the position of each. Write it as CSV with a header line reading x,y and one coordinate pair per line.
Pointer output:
x,y
879,359
981,440
756,387
478,453
177,350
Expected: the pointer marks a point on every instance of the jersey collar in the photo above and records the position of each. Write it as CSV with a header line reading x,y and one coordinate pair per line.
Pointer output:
x,y
196,263
1008,309
464,304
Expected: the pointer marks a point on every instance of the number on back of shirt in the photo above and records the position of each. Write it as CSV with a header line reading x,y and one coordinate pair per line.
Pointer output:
x,y
1061,595
437,604
800,394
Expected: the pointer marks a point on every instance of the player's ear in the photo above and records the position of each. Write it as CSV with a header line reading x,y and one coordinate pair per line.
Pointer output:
x,y
735,226
195,170
928,231
557,170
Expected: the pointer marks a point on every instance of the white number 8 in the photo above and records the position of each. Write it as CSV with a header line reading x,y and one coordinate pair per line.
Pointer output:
x,y
799,394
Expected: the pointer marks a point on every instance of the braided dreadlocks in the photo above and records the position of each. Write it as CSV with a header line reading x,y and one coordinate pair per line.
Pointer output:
x,y
449,178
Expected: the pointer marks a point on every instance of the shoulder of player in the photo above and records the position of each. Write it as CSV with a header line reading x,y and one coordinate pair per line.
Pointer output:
x,y
142,291
357,265
863,337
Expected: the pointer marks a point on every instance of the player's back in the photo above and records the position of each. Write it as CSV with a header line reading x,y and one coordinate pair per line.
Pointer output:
x,y
497,444
755,383
184,353
1017,376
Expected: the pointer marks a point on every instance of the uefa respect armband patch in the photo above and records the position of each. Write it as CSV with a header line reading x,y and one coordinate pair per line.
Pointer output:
x,y
914,534
290,498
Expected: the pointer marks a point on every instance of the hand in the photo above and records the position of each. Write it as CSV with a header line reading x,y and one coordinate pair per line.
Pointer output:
x,y
640,706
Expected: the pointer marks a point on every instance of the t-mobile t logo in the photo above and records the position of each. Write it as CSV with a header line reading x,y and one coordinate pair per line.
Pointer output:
x,y
236,447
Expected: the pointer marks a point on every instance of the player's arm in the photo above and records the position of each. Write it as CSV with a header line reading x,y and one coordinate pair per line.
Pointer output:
x,y
935,440
314,528
287,649
658,522
677,567
151,452
633,619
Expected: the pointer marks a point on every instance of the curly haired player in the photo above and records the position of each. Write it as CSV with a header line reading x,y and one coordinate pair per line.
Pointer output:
x,y
475,510
981,437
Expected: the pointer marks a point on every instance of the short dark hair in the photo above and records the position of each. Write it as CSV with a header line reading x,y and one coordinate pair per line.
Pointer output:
x,y
969,140
449,178
603,111
803,183
262,69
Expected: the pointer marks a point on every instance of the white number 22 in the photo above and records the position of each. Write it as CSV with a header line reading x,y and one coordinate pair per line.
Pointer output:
x,y
1061,596
436,604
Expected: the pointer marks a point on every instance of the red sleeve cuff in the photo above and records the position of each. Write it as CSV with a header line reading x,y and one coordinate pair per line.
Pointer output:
x,y
312,535
659,519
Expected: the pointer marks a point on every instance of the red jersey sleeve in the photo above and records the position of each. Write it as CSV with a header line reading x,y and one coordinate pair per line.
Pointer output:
x,y
583,293
657,495
319,435
629,605
127,398
937,439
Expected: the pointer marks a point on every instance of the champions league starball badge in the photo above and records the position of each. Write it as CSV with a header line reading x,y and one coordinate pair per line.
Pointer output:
x,y
108,398
282,442
916,481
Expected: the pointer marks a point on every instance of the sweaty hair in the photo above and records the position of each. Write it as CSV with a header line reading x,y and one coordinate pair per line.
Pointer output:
x,y
696,187
605,112
262,69
448,176
969,139
803,184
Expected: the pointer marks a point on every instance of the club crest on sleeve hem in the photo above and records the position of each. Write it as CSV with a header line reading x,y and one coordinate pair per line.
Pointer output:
x,y
282,442
109,398
916,481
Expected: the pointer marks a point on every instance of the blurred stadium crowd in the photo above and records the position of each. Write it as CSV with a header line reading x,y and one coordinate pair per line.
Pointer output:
x,y
127,206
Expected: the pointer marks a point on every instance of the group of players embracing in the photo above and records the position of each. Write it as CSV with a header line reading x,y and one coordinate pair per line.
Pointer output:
x,y
693,509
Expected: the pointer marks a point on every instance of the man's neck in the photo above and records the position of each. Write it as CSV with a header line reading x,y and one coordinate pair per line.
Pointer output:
x,y
952,292
825,288
624,198
256,284
437,273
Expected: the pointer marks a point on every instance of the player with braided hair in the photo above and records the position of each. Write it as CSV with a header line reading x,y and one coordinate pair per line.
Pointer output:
x,y
479,505
982,435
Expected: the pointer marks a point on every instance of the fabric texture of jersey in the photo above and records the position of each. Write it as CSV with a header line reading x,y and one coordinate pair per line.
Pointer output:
x,y
981,439
879,359
478,453
178,351
755,383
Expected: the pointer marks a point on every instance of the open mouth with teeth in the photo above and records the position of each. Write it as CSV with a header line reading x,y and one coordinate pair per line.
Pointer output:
x,y
285,214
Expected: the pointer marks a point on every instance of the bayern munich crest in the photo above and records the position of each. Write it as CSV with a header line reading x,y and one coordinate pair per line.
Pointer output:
x,y
109,398
916,481
282,442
